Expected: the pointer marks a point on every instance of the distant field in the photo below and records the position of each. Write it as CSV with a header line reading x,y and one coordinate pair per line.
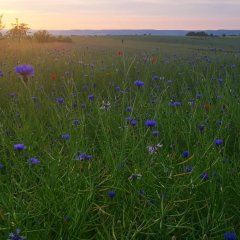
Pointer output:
x,y
120,137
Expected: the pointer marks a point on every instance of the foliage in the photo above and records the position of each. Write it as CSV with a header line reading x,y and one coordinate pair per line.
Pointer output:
x,y
197,34
44,36
18,30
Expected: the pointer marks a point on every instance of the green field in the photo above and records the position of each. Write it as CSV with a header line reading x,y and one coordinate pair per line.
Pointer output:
x,y
117,160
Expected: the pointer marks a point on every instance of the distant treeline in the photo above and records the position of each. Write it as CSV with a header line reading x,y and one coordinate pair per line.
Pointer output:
x,y
197,34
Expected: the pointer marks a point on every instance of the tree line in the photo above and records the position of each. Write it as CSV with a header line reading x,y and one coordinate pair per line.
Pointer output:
x,y
20,31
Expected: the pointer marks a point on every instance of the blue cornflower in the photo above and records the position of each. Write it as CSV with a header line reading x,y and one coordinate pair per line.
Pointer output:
x,y
139,83
34,98
83,105
12,95
177,104
25,70
111,194
82,156
155,77
1,74
201,127
150,123
218,142
76,122
198,95
91,97
169,82
155,132
189,88
1,166
60,100
141,192
19,146
16,236
66,136
188,169
134,123
33,161
185,154
230,236
204,176
129,109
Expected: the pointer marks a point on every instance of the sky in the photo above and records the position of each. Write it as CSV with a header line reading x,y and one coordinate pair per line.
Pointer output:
x,y
123,14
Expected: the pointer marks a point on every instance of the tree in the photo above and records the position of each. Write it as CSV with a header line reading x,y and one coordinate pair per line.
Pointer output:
x,y
18,30
42,36
1,24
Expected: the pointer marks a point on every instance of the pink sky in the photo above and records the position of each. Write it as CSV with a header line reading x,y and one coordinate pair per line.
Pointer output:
x,y
124,14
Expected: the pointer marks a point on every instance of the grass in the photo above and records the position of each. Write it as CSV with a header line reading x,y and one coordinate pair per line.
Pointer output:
x,y
156,197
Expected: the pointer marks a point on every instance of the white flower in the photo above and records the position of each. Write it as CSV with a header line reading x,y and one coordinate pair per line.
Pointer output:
x,y
152,149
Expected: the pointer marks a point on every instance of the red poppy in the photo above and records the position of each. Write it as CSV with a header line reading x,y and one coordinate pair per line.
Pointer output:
x,y
120,53
53,76
206,107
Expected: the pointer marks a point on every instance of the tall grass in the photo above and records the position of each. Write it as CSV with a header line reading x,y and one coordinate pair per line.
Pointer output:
x,y
162,195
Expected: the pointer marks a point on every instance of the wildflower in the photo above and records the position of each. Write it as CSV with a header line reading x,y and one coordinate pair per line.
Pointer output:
x,y
53,76
82,156
16,236
139,83
188,169
1,74
66,218
204,176
177,104
150,123
120,53
185,154
25,71
230,236
129,109
33,161
1,166
60,100
91,97
155,133
66,136
19,146
105,106
34,98
134,123
218,142
155,78
201,127
111,194
83,105
152,202
135,176
76,122
198,95
169,82
152,149
141,192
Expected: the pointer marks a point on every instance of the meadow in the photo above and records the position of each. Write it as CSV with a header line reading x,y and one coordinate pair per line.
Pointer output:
x,y
128,137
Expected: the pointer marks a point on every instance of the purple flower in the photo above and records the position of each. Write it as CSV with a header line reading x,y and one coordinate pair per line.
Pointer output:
x,y
25,70
1,74
19,146
1,166
141,192
155,133
155,77
66,136
76,122
33,161
111,194
204,176
60,100
129,109
188,169
16,236
139,83
91,97
230,236
218,142
82,156
185,154
34,99
134,123
150,123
